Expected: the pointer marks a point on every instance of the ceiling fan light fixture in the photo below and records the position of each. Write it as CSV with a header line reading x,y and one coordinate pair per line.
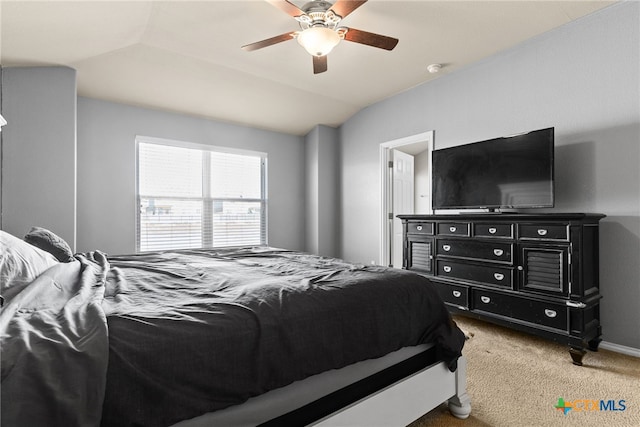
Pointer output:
x,y
318,41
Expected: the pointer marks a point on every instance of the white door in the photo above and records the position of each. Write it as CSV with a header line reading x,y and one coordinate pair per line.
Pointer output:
x,y
403,198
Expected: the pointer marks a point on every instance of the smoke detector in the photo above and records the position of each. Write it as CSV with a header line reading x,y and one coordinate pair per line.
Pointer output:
x,y
434,68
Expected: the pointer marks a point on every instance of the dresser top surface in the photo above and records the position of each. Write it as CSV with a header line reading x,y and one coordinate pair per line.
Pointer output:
x,y
506,216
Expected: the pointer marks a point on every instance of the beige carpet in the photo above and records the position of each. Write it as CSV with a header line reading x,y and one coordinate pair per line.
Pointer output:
x,y
516,379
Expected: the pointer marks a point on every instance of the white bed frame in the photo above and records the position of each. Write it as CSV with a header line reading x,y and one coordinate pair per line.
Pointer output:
x,y
408,399
398,404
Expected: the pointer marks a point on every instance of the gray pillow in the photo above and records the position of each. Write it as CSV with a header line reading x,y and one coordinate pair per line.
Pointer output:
x,y
50,242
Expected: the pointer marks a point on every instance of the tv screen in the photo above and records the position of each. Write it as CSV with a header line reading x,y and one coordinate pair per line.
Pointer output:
x,y
503,173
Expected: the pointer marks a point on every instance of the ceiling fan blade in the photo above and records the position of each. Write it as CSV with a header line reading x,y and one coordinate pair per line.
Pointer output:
x,y
319,64
344,7
370,39
287,7
268,42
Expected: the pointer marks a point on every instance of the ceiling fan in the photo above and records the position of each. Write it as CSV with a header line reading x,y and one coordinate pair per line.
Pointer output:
x,y
320,32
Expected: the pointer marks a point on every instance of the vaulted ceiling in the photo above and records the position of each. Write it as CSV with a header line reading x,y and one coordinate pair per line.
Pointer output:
x,y
185,56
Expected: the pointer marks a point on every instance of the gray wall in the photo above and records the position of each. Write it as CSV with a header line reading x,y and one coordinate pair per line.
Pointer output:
x,y
321,145
39,150
583,79
312,167
106,171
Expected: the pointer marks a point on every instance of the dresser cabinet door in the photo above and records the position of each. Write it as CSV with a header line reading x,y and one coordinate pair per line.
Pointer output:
x,y
420,255
545,269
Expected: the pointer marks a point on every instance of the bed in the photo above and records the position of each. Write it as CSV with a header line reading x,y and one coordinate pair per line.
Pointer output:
x,y
243,336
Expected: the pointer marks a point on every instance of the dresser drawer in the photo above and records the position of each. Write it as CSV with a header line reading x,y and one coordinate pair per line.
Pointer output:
x,y
453,294
537,312
474,249
453,228
544,231
493,230
488,274
420,228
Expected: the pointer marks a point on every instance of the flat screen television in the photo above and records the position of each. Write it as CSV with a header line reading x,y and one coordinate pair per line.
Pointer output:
x,y
514,172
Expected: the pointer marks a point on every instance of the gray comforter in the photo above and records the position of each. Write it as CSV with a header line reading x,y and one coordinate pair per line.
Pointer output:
x,y
152,339
53,338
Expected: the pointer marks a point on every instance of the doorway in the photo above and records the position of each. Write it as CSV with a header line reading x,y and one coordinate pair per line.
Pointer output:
x,y
405,171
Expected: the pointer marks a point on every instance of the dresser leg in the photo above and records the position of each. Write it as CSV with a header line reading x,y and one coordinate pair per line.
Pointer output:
x,y
593,344
577,353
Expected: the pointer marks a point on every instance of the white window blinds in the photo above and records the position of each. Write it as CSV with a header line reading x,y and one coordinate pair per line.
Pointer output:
x,y
199,197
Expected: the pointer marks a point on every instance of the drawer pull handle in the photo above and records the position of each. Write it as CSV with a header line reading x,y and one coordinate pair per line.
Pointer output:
x,y
492,230
446,248
457,294
498,252
446,269
419,228
452,229
485,300
498,276
550,313
542,232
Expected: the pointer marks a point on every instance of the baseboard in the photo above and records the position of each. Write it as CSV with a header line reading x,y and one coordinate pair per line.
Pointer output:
x,y
629,351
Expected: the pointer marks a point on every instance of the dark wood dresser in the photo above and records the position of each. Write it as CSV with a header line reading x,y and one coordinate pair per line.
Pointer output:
x,y
536,273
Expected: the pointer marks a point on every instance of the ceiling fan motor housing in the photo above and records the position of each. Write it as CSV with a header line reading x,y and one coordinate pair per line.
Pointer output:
x,y
316,6
318,14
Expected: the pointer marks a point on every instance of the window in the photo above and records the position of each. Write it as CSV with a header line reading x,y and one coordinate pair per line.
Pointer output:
x,y
194,196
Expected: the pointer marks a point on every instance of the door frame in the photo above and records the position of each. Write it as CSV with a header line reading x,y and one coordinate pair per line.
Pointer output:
x,y
386,192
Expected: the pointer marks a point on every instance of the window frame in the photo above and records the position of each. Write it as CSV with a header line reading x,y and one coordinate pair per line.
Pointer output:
x,y
207,199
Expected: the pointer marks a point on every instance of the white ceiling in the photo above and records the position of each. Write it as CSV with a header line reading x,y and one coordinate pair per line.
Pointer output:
x,y
185,56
